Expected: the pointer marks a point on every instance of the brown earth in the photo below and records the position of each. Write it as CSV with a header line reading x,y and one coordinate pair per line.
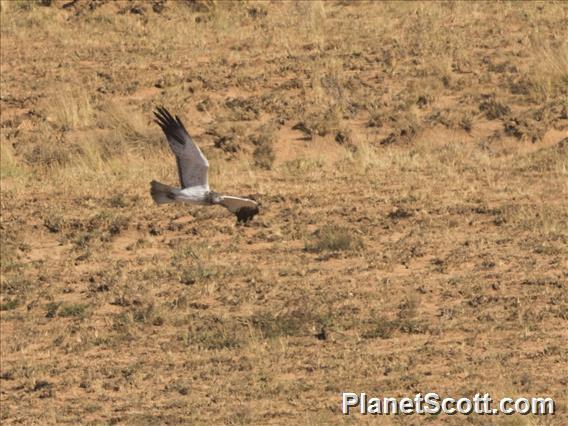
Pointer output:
x,y
411,160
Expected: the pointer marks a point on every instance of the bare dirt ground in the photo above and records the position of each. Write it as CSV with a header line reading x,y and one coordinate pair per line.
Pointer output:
x,y
411,160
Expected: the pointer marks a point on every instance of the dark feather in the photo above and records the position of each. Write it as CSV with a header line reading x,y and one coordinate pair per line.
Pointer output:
x,y
180,174
172,127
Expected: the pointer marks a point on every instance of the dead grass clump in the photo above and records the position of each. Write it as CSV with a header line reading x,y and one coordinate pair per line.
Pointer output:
x,y
550,221
257,11
345,137
138,313
550,159
18,6
103,225
555,113
46,149
308,131
400,213
48,155
466,121
196,273
193,265
376,114
547,77
54,223
147,314
107,222
301,166
452,119
384,328
228,138
105,280
285,108
424,100
333,238
363,157
319,123
525,127
130,127
117,201
97,150
492,108
292,323
64,310
243,109
15,284
8,304
43,148
76,310
406,126
71,109
409,307
214,333
10,167
205,105
10,243
201,6
264,154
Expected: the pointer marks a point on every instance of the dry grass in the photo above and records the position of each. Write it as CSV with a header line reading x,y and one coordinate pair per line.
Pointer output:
x,y
412,171
548,71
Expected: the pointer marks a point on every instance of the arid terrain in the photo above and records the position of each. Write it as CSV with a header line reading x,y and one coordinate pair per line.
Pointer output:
x,y
411,160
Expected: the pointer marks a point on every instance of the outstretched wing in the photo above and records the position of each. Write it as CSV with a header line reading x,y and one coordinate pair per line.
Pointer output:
x,y
234,204
191,163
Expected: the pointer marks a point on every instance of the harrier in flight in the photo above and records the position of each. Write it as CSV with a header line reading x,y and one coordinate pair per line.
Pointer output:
x,y
192,169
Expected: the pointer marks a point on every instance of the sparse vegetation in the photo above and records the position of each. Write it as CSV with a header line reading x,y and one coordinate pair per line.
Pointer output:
x,y
264,156
72,310
8,305
411,162
333,238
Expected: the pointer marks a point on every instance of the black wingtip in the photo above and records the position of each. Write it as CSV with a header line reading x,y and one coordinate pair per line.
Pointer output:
x,y
180,122
172,127
165,118
161,115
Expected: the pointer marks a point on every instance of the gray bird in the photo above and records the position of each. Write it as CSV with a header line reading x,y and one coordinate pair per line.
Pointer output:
x,y
192,169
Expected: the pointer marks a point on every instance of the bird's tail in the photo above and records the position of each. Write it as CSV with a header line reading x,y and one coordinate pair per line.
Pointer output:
x,y
163,194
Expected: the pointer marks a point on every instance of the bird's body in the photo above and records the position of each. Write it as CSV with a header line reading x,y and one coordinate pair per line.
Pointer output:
x,y
200,195
192,169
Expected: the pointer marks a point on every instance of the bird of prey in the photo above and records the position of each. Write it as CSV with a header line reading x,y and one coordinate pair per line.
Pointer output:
x,y
192,169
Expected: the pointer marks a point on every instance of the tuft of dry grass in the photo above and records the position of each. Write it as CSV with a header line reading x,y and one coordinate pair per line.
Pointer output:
x,y
264,156
70,108
10,167
130,128
547,75
332,238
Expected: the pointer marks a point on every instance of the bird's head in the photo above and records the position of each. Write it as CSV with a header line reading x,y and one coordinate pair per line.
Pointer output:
x,y
244,214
